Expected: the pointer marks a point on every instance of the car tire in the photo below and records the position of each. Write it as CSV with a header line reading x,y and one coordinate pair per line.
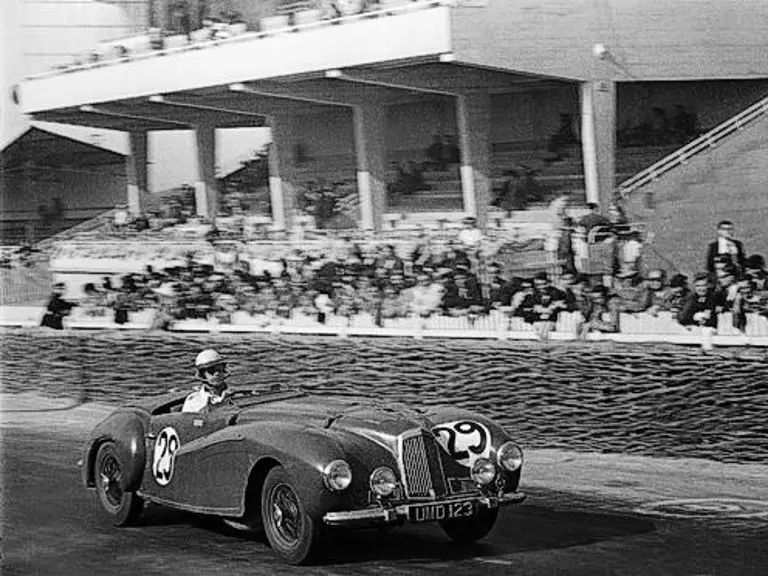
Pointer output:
x,y
291,532
470,530
123,507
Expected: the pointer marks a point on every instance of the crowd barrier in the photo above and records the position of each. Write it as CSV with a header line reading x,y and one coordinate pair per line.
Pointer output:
x,y
638,328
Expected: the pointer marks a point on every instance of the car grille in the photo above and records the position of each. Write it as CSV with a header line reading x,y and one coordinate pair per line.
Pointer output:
x,y
420,465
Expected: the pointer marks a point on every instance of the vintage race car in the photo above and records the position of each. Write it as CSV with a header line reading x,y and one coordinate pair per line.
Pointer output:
x,y
296,465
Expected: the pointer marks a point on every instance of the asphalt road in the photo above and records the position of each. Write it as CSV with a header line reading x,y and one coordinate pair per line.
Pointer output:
x,y
51,525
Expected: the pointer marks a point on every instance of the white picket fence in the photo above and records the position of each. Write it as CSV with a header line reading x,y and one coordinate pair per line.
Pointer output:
x,y
633,327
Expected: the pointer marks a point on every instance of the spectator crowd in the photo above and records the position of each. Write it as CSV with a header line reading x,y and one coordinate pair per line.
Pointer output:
x,y
454,279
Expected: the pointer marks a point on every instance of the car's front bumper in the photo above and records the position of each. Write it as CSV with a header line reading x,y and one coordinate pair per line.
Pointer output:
x,y
382,515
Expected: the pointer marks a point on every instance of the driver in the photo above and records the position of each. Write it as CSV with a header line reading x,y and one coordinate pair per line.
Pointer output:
x,y
211,369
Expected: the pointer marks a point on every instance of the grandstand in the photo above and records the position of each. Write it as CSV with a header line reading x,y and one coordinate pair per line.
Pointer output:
x,y
604,103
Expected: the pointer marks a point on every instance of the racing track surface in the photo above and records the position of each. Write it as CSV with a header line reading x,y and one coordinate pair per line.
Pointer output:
x,y
51,525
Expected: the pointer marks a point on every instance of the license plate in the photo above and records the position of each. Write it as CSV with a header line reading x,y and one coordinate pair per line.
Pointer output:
x,y
441,511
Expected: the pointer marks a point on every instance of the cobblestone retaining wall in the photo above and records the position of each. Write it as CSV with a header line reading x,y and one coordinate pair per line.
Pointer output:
x,y
654,400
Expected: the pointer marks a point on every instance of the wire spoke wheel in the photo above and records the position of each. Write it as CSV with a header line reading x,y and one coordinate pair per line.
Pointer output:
x,y
111,477
293,534
286,514
110,474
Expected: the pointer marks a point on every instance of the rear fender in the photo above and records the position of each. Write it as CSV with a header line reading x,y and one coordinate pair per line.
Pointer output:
x,y
127,428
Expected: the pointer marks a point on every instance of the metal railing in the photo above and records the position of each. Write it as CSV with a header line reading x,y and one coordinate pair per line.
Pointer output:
x,y
73,232
701,144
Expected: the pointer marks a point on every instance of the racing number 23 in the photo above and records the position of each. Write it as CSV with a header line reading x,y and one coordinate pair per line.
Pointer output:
x,y
166,445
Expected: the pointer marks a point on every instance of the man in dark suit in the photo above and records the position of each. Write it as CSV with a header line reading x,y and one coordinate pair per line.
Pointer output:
x,y
57,308
699,307
725,245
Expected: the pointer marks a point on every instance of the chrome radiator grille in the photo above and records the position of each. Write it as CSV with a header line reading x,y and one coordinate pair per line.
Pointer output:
x,y
420,465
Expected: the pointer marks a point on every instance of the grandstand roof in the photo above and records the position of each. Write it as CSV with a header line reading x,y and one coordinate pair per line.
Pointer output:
x,y
43,148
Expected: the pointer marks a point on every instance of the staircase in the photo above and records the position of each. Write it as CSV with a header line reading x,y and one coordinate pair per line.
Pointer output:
x,y
95,223
721,175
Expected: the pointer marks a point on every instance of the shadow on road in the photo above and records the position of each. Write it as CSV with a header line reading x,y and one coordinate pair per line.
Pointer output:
x,y
530,527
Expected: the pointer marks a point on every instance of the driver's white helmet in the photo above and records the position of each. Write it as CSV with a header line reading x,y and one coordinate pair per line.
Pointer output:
x,y
209,357
211,362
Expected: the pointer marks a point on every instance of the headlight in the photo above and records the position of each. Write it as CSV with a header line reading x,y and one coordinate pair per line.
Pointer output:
x,y
383,481
483,472
337,475
510,456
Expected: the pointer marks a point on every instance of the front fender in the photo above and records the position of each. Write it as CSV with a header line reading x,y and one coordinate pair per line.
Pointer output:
x,y
127,429
304,452
443,415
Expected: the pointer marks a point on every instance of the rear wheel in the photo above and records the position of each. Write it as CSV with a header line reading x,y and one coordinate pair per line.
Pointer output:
x,y
293,534
124,507
470,530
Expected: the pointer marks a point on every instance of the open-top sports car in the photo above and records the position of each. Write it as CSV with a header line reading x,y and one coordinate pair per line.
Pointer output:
x,y
297,464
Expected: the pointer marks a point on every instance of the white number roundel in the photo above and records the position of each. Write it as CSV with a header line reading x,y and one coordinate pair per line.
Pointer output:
x,y
465,440
166,445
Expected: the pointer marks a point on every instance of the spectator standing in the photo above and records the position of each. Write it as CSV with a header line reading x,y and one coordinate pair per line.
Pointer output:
x,y
57,308
121,301
470,235
725,246
511,195
565,252
593,219
121,218
600,312
434,154
629,252
558,210
564,137
451,152
619,222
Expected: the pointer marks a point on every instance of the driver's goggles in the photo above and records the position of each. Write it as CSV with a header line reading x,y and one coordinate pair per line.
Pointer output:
x,y
215,369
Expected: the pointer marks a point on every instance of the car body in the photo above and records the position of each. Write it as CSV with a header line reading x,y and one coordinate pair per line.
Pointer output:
x,y
297,464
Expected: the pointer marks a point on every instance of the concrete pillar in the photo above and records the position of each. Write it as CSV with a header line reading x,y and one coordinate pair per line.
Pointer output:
x,y
282,171
136,170
473,115
598,140
206,196
370,121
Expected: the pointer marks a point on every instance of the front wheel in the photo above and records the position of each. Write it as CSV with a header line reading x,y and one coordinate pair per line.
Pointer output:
x,y
289,529
124,507
470,530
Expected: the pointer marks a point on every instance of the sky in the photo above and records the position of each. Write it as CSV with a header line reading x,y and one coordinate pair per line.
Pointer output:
x,y
34,35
